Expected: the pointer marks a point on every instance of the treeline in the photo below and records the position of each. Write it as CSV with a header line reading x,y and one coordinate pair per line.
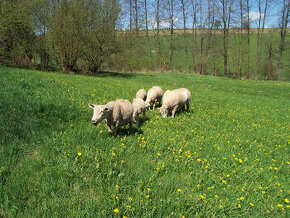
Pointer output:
x,y
72,35
216,37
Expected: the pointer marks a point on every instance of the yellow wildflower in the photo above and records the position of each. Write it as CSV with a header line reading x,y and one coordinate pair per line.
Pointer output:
x,y
252,205
116,210
287,200
79,153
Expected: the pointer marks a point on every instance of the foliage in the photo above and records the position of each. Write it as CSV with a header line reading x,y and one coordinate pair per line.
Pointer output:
x,y
227,157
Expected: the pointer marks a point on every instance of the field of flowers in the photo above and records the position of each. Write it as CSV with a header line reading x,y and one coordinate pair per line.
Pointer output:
x,y
229,156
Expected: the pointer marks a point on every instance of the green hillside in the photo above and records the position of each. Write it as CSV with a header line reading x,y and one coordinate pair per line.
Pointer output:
x,y
228,157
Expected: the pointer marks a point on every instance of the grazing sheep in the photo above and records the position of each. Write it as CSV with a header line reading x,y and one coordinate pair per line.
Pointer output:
x,y
154,95
141,94
139,107
174,99
115,113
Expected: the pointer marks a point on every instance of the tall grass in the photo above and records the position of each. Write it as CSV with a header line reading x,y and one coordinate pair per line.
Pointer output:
x,y
228,157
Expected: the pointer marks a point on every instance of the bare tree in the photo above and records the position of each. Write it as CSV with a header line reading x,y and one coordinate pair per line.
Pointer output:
x,y
158,29
283,31
248,39
194,4
226,6
260,33
183,5
136,18
146,26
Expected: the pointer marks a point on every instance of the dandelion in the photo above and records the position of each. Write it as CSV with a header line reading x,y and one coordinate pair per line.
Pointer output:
x,y
201,196
130,199
216,196
122,161
242,198
252,205
117,187
129,206
280,205
147,196
287,200
239,206
79,153
240,161
116,210
179,190
125,217
113,154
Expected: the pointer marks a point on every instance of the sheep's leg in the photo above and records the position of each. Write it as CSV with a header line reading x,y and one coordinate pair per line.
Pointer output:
x,y
155,101
137,121
109,128
187,105
114,132
174,110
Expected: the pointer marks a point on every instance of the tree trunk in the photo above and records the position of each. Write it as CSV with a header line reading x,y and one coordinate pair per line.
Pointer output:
x,y
248,39
171,32
184,34
283,32
147,31
136,18
157,35
194,33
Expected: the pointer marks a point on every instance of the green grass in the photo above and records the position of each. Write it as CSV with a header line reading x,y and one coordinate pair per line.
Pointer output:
x,y
140,59
230,152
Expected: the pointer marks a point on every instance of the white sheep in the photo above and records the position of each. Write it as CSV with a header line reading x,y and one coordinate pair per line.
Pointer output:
x,y
174,99
139,107
141,94
154,95
115,113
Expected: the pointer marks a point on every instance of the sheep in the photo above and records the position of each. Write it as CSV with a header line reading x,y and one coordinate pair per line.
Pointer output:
x,y
154,95
174,99
139,107
141,94
115,113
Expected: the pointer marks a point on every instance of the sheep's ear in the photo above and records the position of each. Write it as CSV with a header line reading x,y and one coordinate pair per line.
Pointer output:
x,y
106,109
91,106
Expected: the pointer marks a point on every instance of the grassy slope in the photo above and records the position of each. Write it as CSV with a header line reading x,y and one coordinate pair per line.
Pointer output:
x,y
232,145
179,62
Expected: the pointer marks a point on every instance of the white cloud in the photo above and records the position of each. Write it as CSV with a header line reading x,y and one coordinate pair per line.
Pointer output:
x,y
163,23
255,15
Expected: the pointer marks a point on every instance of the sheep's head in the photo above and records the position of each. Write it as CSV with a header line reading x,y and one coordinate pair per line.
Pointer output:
x,y
147,104
100,113
164,112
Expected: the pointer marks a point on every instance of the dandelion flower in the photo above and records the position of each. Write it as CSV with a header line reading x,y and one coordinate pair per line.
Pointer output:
x,y
287,200
79,153
116,210
252,205
179,190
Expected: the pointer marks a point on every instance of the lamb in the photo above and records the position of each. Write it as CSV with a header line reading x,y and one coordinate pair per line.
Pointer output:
x,y
115,113
174,99
154,95
139,107
141,94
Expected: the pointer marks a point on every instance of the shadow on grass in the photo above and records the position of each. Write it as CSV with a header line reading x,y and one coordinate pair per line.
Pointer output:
x,y
112,74
129,131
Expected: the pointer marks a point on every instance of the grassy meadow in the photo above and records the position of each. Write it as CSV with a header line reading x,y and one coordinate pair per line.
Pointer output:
x,y
139,58
228,157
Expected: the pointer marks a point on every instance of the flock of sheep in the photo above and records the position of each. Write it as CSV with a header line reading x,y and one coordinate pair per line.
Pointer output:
x,y
121,112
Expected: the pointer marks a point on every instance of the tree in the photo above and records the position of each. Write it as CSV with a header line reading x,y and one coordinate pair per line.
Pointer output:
x,y
283,31
183,5
16,31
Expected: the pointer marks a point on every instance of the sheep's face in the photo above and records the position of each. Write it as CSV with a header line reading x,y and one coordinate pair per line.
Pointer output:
x,y
100,113
164,112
